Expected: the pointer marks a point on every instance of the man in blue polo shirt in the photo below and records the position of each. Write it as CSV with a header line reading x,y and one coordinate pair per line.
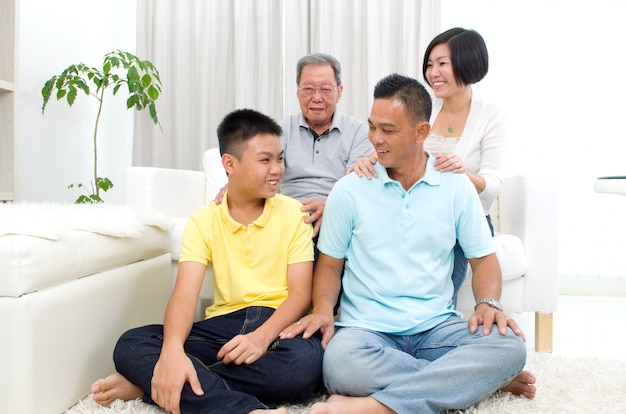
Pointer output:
x,y
399,345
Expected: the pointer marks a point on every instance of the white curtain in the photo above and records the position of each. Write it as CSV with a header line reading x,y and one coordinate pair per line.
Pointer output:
x,y
215,56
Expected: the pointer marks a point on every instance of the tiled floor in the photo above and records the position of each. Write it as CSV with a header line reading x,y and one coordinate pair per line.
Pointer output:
x,y
585,326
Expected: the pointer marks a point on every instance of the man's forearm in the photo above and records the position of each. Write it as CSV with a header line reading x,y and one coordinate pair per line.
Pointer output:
x,y
326,284
486,277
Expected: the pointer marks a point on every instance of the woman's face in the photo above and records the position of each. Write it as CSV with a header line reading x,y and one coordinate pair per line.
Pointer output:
x,y
439,72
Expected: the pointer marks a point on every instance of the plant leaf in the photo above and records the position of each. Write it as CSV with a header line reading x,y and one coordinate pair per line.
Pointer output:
x,y
131,101
153,114
104,183
153,93
146,80
71,95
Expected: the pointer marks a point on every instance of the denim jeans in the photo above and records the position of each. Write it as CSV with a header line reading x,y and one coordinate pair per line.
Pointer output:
x,y
290,370
459,269
444,368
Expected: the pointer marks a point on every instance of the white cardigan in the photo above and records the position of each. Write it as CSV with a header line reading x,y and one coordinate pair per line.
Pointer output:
x,y
482,146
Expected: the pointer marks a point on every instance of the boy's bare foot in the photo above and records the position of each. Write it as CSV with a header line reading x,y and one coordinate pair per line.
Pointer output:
x,y
276,411
523,384
114,387
339,404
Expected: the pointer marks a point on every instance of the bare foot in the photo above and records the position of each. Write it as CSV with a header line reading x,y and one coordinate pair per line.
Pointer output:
x,y
277,411
523,384
114,387
339,404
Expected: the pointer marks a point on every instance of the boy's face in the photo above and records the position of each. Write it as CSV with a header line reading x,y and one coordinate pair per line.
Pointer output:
x,y
260,169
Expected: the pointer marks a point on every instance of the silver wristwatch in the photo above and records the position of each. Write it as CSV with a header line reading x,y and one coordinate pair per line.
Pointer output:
x,y
493,302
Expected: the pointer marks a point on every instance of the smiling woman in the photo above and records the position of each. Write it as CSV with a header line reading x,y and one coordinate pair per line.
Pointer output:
x,y
561,126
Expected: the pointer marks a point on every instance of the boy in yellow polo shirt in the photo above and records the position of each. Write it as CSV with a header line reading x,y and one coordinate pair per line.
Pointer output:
x,y
262,256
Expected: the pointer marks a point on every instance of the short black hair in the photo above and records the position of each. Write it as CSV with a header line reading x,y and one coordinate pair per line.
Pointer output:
x,y
416,99
240,126
468,52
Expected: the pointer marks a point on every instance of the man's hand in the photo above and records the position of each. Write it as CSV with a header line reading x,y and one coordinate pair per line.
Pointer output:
x,y
308,325
170,374
220,195
243,349
315,208
486,315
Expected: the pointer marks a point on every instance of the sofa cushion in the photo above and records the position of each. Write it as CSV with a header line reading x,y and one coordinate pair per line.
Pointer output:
x,y
178,229
511,255
44,244
176,193
214,173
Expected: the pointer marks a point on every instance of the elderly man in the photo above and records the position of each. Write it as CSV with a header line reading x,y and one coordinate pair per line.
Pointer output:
x,y
320,143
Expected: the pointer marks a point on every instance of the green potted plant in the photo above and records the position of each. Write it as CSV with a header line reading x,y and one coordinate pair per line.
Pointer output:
x,y
118,68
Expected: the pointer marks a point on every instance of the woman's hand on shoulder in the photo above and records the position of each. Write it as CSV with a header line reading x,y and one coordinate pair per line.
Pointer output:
x,y
449,162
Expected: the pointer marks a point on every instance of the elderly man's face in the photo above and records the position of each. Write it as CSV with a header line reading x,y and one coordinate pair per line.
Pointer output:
x,y
318,94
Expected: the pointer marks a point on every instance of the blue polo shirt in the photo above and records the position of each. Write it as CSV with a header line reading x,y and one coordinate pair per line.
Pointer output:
x,y
398,246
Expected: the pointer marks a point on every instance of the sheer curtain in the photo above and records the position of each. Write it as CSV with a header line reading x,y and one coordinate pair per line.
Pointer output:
x,y
217,56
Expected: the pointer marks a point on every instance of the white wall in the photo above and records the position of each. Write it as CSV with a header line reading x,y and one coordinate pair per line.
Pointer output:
x,y
55,149
557,67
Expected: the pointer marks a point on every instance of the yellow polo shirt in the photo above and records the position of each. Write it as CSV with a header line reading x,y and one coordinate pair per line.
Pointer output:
x,y
249,262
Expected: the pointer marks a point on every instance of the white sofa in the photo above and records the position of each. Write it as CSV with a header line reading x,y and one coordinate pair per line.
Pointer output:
x,y
72,280
524,217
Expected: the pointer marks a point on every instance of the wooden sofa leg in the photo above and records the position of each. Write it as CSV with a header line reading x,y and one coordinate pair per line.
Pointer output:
x,y
543,332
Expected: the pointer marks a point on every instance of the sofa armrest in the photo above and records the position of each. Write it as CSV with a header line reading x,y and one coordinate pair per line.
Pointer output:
x,y
527,207
177,193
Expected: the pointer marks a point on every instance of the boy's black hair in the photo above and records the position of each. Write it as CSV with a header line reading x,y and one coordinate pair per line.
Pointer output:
x,y
468,53
241,125
416,99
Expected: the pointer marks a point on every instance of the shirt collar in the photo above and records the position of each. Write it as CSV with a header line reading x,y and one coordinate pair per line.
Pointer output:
x,y
335,124
431,175
233,225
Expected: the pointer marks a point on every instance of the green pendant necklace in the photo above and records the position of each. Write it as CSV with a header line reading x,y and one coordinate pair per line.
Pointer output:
x,y
450,127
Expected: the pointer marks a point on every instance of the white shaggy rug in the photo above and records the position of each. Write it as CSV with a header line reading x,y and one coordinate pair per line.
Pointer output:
x,y
564,386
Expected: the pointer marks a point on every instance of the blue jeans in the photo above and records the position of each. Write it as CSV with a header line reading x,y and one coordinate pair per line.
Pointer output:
x,y
444,368
290,370
459,270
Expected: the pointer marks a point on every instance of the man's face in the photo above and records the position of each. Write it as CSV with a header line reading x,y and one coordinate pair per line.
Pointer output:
x,y
260,169
394,137
318,108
